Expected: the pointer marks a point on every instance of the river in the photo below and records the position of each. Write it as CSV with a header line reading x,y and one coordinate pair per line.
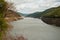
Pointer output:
x,y
35,29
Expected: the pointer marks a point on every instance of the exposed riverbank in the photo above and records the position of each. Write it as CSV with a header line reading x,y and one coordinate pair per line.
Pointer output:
x,y
12,16
51,21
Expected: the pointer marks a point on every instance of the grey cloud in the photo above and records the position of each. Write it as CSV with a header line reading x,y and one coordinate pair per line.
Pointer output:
x,y
57,0
28,6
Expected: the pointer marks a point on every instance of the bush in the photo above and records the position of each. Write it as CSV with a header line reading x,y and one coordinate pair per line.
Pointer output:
x,y
4,7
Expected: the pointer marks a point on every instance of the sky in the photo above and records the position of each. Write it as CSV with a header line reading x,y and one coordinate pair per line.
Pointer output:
x,y
31,6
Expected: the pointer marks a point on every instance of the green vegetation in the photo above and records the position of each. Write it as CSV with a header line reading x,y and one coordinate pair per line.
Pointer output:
x,y
52,16
3,24
3,27
53,12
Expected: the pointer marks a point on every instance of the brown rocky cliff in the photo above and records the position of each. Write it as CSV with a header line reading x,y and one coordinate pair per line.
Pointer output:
x,y
12,16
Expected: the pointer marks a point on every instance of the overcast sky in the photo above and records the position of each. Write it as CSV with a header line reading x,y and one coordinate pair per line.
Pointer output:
x,y
30,6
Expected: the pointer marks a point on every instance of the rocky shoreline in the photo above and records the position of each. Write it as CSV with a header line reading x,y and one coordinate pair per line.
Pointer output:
x,y
13,19
51,21
12,16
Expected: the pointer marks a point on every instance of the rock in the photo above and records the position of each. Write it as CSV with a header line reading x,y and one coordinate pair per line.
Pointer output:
x,y
12,16
51,21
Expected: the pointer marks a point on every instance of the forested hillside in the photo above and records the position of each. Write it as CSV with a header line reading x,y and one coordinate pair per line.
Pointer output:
x,y
54,11
52,17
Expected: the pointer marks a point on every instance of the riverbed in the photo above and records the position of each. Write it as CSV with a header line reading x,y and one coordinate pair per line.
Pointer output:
x,y
35,29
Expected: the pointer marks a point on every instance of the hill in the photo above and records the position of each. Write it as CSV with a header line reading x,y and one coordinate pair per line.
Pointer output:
x,y
46,12
52,17
22,14
35,15
53,12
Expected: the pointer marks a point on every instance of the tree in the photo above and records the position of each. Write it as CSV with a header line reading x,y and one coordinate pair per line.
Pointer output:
x,y
4,7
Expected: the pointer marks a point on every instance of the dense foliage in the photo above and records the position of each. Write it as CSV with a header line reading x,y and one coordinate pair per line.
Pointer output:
x,y
3,24
53,12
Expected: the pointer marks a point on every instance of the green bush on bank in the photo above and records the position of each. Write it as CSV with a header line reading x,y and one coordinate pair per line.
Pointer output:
x,y
3,24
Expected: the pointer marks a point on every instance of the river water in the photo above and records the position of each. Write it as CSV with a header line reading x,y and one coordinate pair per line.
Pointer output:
x,y
35,29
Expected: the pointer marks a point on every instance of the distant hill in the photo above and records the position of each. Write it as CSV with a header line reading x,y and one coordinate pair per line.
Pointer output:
x,y
52,16
53,12
46,12
22,14
35,15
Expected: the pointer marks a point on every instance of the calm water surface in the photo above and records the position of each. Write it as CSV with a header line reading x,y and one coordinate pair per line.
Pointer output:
x,y
35,29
